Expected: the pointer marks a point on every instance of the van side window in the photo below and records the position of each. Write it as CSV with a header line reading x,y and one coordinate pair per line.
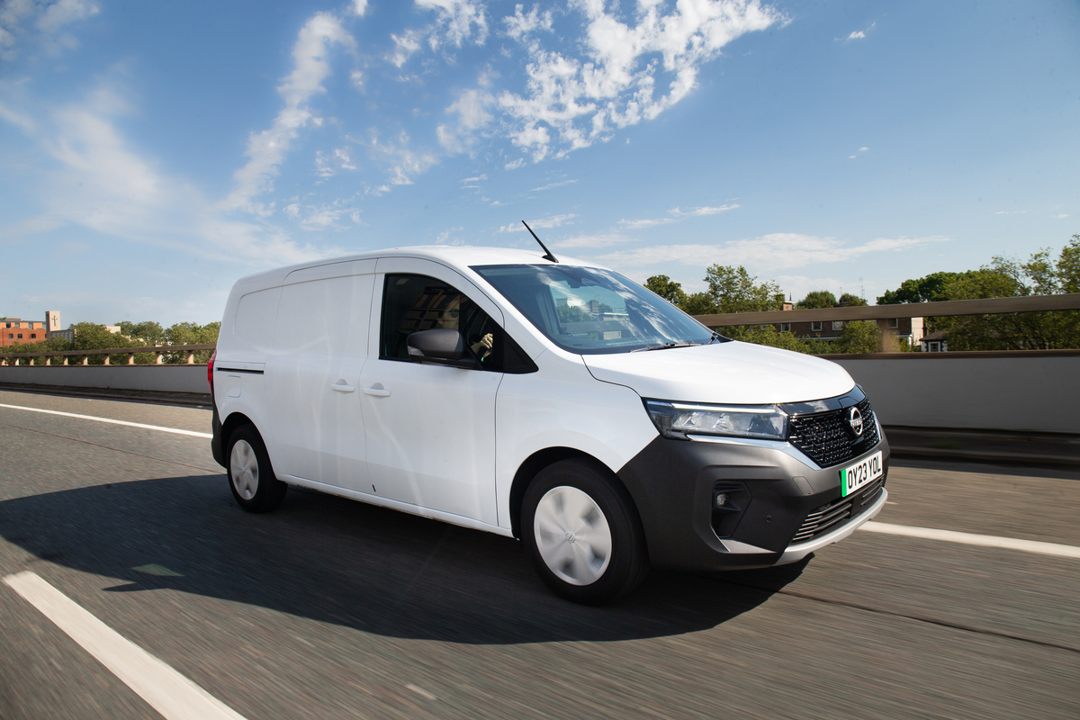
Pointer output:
x,y
412,303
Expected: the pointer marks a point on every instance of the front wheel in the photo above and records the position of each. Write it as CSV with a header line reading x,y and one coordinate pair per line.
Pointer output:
x,y
582,533
251,477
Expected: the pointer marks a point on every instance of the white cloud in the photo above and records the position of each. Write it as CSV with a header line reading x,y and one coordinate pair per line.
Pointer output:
x,y
329,164
64,12
677,215
359,7
471,180
455,22
472,116
639,224
552,221
520,162
519,24
404,46
23,122
704,210
614,83
593,241
100,182
51,18
550,186
769,252
1061,216
267,149
446,237
14,232
406,163
861,34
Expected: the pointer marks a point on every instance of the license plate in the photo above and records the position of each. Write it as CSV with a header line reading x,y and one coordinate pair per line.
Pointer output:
x,y
865,471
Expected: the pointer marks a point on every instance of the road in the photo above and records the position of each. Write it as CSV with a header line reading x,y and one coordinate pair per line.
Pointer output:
x,y
333,609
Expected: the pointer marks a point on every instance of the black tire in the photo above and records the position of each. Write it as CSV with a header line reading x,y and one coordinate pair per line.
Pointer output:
x,y
601,554
251,476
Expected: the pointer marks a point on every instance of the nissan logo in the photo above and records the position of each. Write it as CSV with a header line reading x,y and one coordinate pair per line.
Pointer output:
x,y
855,420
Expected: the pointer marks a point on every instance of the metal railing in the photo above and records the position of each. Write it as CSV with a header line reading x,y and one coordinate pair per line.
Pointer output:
x,y
988,306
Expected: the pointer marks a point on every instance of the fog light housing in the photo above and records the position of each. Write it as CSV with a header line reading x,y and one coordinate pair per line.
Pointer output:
x,y
729,502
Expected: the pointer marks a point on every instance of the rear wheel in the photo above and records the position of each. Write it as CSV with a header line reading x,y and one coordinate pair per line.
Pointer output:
x,y
582,533
251,477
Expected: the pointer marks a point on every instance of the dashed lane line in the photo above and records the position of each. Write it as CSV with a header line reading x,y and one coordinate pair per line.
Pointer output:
x,y
164,689
1031,546
159,428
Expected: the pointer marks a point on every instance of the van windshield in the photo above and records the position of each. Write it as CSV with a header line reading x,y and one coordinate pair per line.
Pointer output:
x,y
592,311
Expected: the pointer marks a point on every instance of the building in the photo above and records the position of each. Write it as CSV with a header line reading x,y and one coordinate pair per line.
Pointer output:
x,y
52,327
16,331
911,330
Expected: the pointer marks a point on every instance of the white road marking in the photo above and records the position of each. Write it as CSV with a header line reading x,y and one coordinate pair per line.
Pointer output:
x,y
1031,546
421,691
167,691
159,428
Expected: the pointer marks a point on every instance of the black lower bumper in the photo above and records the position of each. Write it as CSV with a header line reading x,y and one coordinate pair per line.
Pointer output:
x,y
769,494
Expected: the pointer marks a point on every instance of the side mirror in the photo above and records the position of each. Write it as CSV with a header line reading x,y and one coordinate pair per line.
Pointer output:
x,y
441,346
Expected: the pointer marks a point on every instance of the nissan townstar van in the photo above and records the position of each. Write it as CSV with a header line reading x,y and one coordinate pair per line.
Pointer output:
x,y
553,401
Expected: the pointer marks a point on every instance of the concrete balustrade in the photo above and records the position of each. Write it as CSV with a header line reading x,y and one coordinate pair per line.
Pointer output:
x,y
83,356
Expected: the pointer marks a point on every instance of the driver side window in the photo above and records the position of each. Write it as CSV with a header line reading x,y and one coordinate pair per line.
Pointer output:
x,y
412,303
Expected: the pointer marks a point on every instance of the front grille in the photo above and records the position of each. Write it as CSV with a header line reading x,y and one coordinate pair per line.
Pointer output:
x,y
828,517
827,438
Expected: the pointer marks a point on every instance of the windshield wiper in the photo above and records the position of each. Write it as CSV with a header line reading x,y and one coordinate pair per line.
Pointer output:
x,y
717,337
665,346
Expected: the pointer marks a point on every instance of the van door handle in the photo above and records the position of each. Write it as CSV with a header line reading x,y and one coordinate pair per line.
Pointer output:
x,y
377,390
342,387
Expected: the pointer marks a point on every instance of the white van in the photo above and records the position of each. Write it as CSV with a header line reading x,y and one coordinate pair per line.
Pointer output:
x,y
553,401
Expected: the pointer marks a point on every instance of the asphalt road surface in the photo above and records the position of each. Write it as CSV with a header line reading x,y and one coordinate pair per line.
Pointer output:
x,y
329,608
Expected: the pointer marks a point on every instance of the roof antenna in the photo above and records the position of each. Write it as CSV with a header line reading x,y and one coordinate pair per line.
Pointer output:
x,y
548,256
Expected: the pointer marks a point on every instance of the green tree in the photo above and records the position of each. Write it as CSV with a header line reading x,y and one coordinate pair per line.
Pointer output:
x,y
699,304
734,290
149,331
667,288
859,336
187,333
926,289
817,299
766,335
1041,274
849,300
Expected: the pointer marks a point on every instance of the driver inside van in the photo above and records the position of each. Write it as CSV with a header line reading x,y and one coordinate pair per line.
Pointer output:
x,y
449,318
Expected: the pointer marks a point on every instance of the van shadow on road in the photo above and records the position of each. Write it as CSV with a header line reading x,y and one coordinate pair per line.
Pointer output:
x,y
356,565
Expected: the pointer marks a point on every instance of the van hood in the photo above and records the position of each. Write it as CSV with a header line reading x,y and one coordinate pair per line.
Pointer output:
x,y
731,372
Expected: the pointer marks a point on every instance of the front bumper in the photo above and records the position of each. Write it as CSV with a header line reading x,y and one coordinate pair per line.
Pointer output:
x,y
775,492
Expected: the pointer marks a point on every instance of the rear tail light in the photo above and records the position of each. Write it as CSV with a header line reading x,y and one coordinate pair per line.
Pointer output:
x,y
210,371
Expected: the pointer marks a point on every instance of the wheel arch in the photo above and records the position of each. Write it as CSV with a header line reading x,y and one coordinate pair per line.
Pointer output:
x,y
234,421
545,458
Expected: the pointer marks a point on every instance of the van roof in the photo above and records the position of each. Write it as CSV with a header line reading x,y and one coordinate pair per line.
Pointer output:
x,y
459,256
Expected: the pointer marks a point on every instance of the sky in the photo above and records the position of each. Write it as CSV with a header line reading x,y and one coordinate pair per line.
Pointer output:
x,y
153,153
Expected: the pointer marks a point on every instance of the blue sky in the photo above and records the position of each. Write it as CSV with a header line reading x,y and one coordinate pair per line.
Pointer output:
x,y
152,153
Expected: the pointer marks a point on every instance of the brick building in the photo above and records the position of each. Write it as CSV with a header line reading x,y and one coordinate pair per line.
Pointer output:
x,y
910,329
14,330
17,331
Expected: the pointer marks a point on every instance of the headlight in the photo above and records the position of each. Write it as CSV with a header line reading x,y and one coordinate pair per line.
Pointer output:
x,y
677,420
